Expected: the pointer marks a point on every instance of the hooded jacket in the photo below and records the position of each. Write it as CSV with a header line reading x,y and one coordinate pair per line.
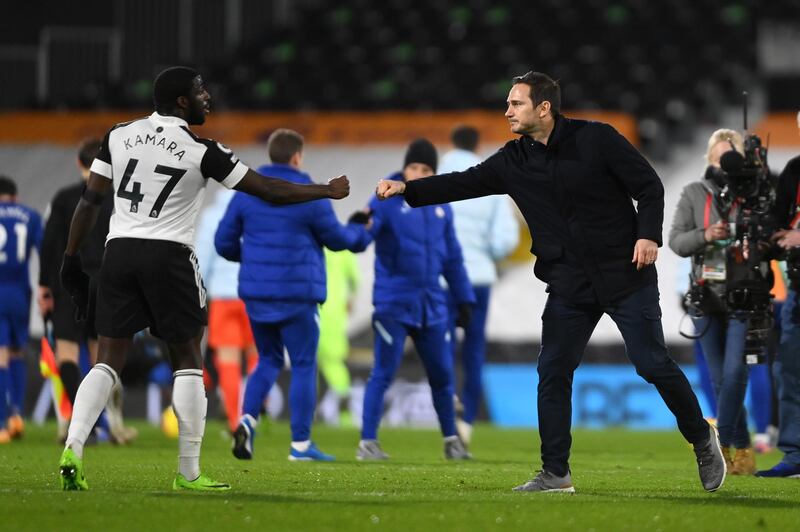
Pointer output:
x,y
413,248
280,248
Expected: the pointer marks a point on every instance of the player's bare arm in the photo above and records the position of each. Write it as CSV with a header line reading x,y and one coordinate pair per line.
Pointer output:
x,y
86,212
388,188
283,192
73,278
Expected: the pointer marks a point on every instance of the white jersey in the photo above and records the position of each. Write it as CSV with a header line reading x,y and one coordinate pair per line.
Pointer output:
x,y
159,170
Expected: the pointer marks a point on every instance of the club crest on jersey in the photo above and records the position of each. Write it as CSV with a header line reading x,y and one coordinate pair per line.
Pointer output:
x,y
159,141
227,151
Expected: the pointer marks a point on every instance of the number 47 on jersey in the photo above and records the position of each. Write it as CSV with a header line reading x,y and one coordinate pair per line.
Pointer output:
x,y
135,193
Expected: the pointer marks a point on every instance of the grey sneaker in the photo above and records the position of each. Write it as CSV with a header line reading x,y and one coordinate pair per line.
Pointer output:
x,y
546,481
370,450
454,449
710,462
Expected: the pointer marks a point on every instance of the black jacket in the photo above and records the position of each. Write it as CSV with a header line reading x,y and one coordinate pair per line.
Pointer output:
x,y
56,233
576,194
786,194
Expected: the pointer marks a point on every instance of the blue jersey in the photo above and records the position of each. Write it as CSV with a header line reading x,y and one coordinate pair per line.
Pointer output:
x,y
20,233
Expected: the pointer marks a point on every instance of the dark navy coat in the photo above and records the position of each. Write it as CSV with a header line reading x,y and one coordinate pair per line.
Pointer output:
x,y
577,195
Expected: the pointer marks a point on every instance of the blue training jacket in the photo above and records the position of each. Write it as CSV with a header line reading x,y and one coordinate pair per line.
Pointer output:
x,y
413,248
280,248
20,233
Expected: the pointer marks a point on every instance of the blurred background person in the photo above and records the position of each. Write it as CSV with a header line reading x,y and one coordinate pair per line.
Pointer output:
x,y
282,281
787,364
20,234
761,402
702,231
55,304
341,269
413,248
488,232
229,335
681,284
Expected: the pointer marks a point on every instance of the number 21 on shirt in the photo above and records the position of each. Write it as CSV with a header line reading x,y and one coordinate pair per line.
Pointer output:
x,y
21,231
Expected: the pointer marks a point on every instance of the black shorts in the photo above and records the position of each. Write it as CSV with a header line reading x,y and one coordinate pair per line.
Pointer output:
x,y
64,325
150,283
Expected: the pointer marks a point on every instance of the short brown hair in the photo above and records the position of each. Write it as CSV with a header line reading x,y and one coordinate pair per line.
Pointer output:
x,y
87,151
543,88
282,144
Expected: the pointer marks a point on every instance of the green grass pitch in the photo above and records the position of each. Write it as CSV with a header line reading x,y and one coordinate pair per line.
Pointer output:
x,y
624,481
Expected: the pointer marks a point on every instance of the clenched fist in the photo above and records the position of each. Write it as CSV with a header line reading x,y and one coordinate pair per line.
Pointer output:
x,y
339,187
389,188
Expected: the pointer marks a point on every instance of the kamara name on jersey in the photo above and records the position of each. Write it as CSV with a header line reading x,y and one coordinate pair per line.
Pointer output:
x,y
154,140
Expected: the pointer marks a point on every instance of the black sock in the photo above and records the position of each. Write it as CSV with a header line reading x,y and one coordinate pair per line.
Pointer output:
x,y
71,377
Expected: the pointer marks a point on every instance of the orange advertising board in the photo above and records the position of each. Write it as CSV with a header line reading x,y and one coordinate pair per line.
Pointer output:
x,y
241,127
779,130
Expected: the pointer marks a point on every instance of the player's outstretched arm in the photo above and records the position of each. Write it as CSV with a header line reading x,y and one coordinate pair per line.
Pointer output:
x,y
283,192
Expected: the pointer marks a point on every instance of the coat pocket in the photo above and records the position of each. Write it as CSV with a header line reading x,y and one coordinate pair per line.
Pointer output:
x,y
547,252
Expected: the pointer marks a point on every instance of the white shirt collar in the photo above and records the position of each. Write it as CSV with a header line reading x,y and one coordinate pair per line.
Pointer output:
x,y
170,121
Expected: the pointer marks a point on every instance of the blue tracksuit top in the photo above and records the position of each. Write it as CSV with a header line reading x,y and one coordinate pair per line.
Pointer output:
x,y
280,248
413,248
20,233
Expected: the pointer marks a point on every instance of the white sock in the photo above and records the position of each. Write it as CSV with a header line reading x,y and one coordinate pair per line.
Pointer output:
x,y
301,446
454,437
90,400
189,403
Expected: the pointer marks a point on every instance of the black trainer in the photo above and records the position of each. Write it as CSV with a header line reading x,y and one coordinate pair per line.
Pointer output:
x,y
243,442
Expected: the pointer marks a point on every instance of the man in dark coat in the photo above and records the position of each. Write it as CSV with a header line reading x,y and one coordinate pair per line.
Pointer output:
x,y
574,182
55,301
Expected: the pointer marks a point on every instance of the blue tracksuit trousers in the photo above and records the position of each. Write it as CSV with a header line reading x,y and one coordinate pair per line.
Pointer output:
x,y
432,343
298,336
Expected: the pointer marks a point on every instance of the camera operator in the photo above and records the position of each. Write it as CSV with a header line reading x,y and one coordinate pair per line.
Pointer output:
x,y
699,230
787,363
